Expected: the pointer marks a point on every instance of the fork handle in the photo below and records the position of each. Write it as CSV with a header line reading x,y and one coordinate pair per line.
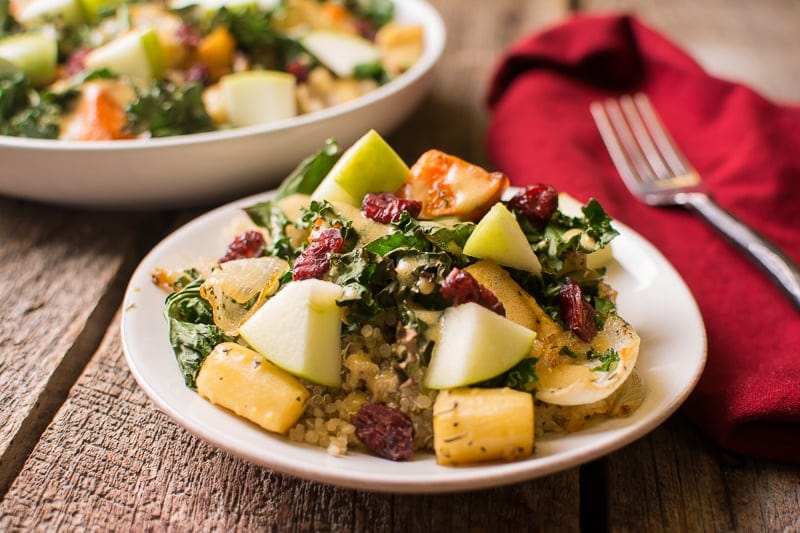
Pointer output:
x,y
778,265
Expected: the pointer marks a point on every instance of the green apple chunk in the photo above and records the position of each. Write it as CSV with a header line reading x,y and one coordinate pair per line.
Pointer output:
x,y
499,237
137,54
34,53
299,330
475,344
70,12
258,97
94,9
370,165
341,52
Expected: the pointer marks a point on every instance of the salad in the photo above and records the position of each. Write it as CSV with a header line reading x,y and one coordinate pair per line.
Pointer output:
x,y
372,306
124,69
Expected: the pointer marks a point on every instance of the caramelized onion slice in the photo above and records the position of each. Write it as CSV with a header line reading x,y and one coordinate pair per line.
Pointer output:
x,y
235,289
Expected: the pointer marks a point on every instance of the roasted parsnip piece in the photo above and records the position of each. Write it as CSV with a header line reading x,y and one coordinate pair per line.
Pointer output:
x,y
472,425
241,380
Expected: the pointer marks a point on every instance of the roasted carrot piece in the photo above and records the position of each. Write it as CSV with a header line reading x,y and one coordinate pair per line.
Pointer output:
x,y
98,116
449,186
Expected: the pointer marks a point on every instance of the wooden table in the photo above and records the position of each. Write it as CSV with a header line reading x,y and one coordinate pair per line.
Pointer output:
x,y
81,447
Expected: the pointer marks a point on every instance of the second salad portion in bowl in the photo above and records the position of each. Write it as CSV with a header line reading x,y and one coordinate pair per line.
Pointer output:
x,y
369,305
112,69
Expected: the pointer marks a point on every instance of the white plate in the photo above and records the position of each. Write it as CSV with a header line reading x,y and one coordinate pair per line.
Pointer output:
x,y
207,168
652,296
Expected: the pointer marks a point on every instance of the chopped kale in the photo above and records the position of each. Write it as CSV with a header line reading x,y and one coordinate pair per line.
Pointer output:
x,y
164,109
310,172
378,12
521,376
371,71
192,332
8,24
14,94
608,360
41,118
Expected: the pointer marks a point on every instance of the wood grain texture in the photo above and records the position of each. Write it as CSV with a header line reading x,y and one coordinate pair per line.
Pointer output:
x,y
111,461
56,268
753,42
676,480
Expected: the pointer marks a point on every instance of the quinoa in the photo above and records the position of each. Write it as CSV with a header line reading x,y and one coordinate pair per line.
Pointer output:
x,y
371,372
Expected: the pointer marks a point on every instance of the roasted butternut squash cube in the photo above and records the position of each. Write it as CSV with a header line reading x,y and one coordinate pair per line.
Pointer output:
x,y
472,425
243,381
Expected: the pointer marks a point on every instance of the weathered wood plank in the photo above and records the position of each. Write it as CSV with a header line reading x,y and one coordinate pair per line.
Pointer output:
x,y
57,269
110,460
674,479
754,42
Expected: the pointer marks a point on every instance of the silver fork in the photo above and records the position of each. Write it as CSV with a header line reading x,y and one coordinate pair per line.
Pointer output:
x,y
655,171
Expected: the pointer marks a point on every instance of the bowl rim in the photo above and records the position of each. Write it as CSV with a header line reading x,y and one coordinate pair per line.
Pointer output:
x,y
434,43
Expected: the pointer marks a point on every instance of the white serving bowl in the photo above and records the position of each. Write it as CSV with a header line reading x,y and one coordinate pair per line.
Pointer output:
x,y
207,168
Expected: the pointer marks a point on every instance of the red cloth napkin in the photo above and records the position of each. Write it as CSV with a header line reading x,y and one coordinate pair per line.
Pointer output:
x,y
748,151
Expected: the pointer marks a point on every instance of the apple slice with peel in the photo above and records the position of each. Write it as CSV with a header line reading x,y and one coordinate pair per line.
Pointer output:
x,y
68,12
258,97
34,53
137,54
298,330
340,51
499,237
370,165
475,344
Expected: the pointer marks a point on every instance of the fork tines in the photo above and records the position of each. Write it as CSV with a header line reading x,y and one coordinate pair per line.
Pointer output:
x,y
643,152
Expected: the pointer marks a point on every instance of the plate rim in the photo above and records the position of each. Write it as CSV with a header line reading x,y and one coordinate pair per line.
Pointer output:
x,y
454,479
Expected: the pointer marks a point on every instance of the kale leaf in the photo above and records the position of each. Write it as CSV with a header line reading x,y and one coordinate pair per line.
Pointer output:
x,y
369,284
41,118
379,12
371,71
192,332
164,109
14,94
521,376
310,172
608,360
255,34
8,24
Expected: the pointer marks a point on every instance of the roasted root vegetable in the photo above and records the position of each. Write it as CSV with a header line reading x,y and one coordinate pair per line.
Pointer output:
x,y
215,51
472,425
520,306
99,113
241,380
449,186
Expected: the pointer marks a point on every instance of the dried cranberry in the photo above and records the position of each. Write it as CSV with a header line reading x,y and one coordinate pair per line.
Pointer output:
x,y
298,69
460,287
537,203
188,35
76,62
385,207
577,313
198,73
315,260
385,430
366,28
244,246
